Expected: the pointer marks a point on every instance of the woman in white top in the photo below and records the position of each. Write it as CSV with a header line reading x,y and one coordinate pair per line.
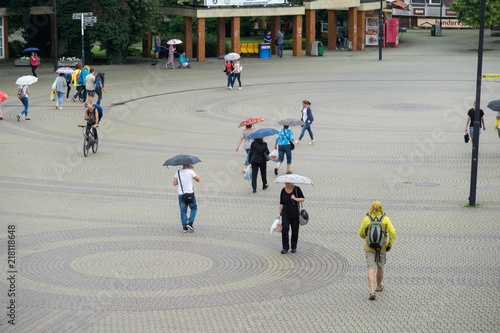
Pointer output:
x,y
307,118
26,91
236,73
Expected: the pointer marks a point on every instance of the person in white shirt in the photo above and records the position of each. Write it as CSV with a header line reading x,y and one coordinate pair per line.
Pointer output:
x,y
183,179
307,118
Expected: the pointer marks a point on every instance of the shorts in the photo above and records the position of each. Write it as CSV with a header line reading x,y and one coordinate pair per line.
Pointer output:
x,y
370,260
157,48
90,93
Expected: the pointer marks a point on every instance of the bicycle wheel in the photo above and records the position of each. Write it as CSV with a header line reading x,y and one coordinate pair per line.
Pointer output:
x,y
86,146
95,146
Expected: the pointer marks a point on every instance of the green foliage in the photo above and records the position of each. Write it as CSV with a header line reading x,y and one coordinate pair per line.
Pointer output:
x,y
468,12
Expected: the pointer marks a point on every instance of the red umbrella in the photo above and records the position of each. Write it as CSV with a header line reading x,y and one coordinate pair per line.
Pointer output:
x,y
252,120
3,96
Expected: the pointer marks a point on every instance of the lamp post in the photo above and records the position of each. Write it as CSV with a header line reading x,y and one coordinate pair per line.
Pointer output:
x,y
380,26
55,35
477,125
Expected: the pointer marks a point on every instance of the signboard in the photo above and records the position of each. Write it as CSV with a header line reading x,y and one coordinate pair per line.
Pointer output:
x,y
491,76
447,23
242,3
78,16
418,11
371,34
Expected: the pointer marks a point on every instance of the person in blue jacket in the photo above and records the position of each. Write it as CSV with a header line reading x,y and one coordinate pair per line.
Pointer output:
x,y
307,118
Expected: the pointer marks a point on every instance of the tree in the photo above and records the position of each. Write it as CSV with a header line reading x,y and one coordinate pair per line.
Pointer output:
x,y
468,12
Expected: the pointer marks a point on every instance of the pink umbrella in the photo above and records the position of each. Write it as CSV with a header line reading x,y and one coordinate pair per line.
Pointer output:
x,y
174,42
3,96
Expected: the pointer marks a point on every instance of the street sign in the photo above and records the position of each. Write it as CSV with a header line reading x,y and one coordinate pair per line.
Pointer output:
x,y
491,76
88,24
90,19
78,16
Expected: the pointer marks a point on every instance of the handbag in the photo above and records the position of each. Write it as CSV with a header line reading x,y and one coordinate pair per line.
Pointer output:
x,y
466,137
292,145
303,214
187,197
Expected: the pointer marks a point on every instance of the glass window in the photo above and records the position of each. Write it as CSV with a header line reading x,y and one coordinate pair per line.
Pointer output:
x,y
1,38
418,1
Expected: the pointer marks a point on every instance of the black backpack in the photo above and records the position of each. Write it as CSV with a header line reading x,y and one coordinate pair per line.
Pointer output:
x,y
375,235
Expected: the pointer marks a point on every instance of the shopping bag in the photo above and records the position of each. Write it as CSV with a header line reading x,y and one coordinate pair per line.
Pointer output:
x,y
248,173
53,95
274,155
496,124
276,226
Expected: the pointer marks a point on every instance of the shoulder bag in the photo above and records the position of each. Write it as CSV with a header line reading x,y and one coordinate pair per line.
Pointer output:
x,y
303,214
187,197
292,145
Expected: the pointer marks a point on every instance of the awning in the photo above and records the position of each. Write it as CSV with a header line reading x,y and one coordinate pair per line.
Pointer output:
x,y
400,5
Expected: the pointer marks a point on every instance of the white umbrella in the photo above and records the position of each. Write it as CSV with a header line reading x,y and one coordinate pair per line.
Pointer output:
x,y
65,70
26,80
232,56
174,42
294,179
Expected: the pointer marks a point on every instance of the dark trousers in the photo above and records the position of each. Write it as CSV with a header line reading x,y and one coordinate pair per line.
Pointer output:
x,y
68,85
33,70
286,224
263,174
99,95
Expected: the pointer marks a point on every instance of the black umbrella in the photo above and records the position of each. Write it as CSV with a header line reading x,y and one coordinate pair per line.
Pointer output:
x,y
182,160
32,49
494,105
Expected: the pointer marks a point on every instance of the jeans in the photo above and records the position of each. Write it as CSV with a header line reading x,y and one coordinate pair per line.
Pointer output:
x,y
471,131
183,208
59,98
78,92
306,127
236,76
25,102
285,150
280,50
263,174
286,224
229,79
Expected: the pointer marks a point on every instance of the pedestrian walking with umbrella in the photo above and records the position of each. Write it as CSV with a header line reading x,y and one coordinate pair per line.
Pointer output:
x,y
23,92
284,144
171,49
291,197
183,179
3,98
248,123
495,106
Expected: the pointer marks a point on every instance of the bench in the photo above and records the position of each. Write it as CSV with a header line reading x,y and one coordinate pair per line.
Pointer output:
x,y
249,48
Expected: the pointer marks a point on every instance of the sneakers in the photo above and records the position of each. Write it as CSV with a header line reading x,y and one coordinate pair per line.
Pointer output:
x,y
230,88
265,186
184,229
190,227
312,142
239,88
67,99
73,99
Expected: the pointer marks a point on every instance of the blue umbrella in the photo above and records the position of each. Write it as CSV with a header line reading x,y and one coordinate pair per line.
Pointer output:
x,y
32,49
262,133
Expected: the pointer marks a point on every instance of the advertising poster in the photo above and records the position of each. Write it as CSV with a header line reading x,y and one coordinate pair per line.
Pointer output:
x,y
371,34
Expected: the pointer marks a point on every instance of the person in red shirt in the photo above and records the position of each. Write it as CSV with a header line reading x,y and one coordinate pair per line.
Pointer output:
x,y
34,63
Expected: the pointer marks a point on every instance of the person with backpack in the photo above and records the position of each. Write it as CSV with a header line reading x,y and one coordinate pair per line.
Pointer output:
x,y
22,94
379,233
99,86
76,79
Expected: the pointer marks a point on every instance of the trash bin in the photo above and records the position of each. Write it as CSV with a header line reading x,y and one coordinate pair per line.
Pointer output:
x,y
433,30
321,49
265,50
314,48
438,30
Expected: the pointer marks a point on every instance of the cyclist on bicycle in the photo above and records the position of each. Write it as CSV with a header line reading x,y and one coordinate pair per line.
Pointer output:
x,y
93,114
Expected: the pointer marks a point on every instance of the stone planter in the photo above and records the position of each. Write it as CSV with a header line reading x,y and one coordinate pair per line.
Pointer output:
x,y
61,63
22,62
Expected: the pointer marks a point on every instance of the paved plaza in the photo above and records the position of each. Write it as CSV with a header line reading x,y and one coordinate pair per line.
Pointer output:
x,y
98,240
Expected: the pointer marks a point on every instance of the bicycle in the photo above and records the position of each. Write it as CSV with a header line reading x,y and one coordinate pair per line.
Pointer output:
x,y
89,140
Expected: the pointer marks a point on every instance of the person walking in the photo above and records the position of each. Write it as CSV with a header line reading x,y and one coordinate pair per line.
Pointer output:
x,y
280,40
68,78
34,62
284,139
469,124
25,90
247,143
90,86
183,179
307,118
85,71
60,88
374,262
236,73
99,86
170,59
78,86
258,158
288,209
229,72
157,45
